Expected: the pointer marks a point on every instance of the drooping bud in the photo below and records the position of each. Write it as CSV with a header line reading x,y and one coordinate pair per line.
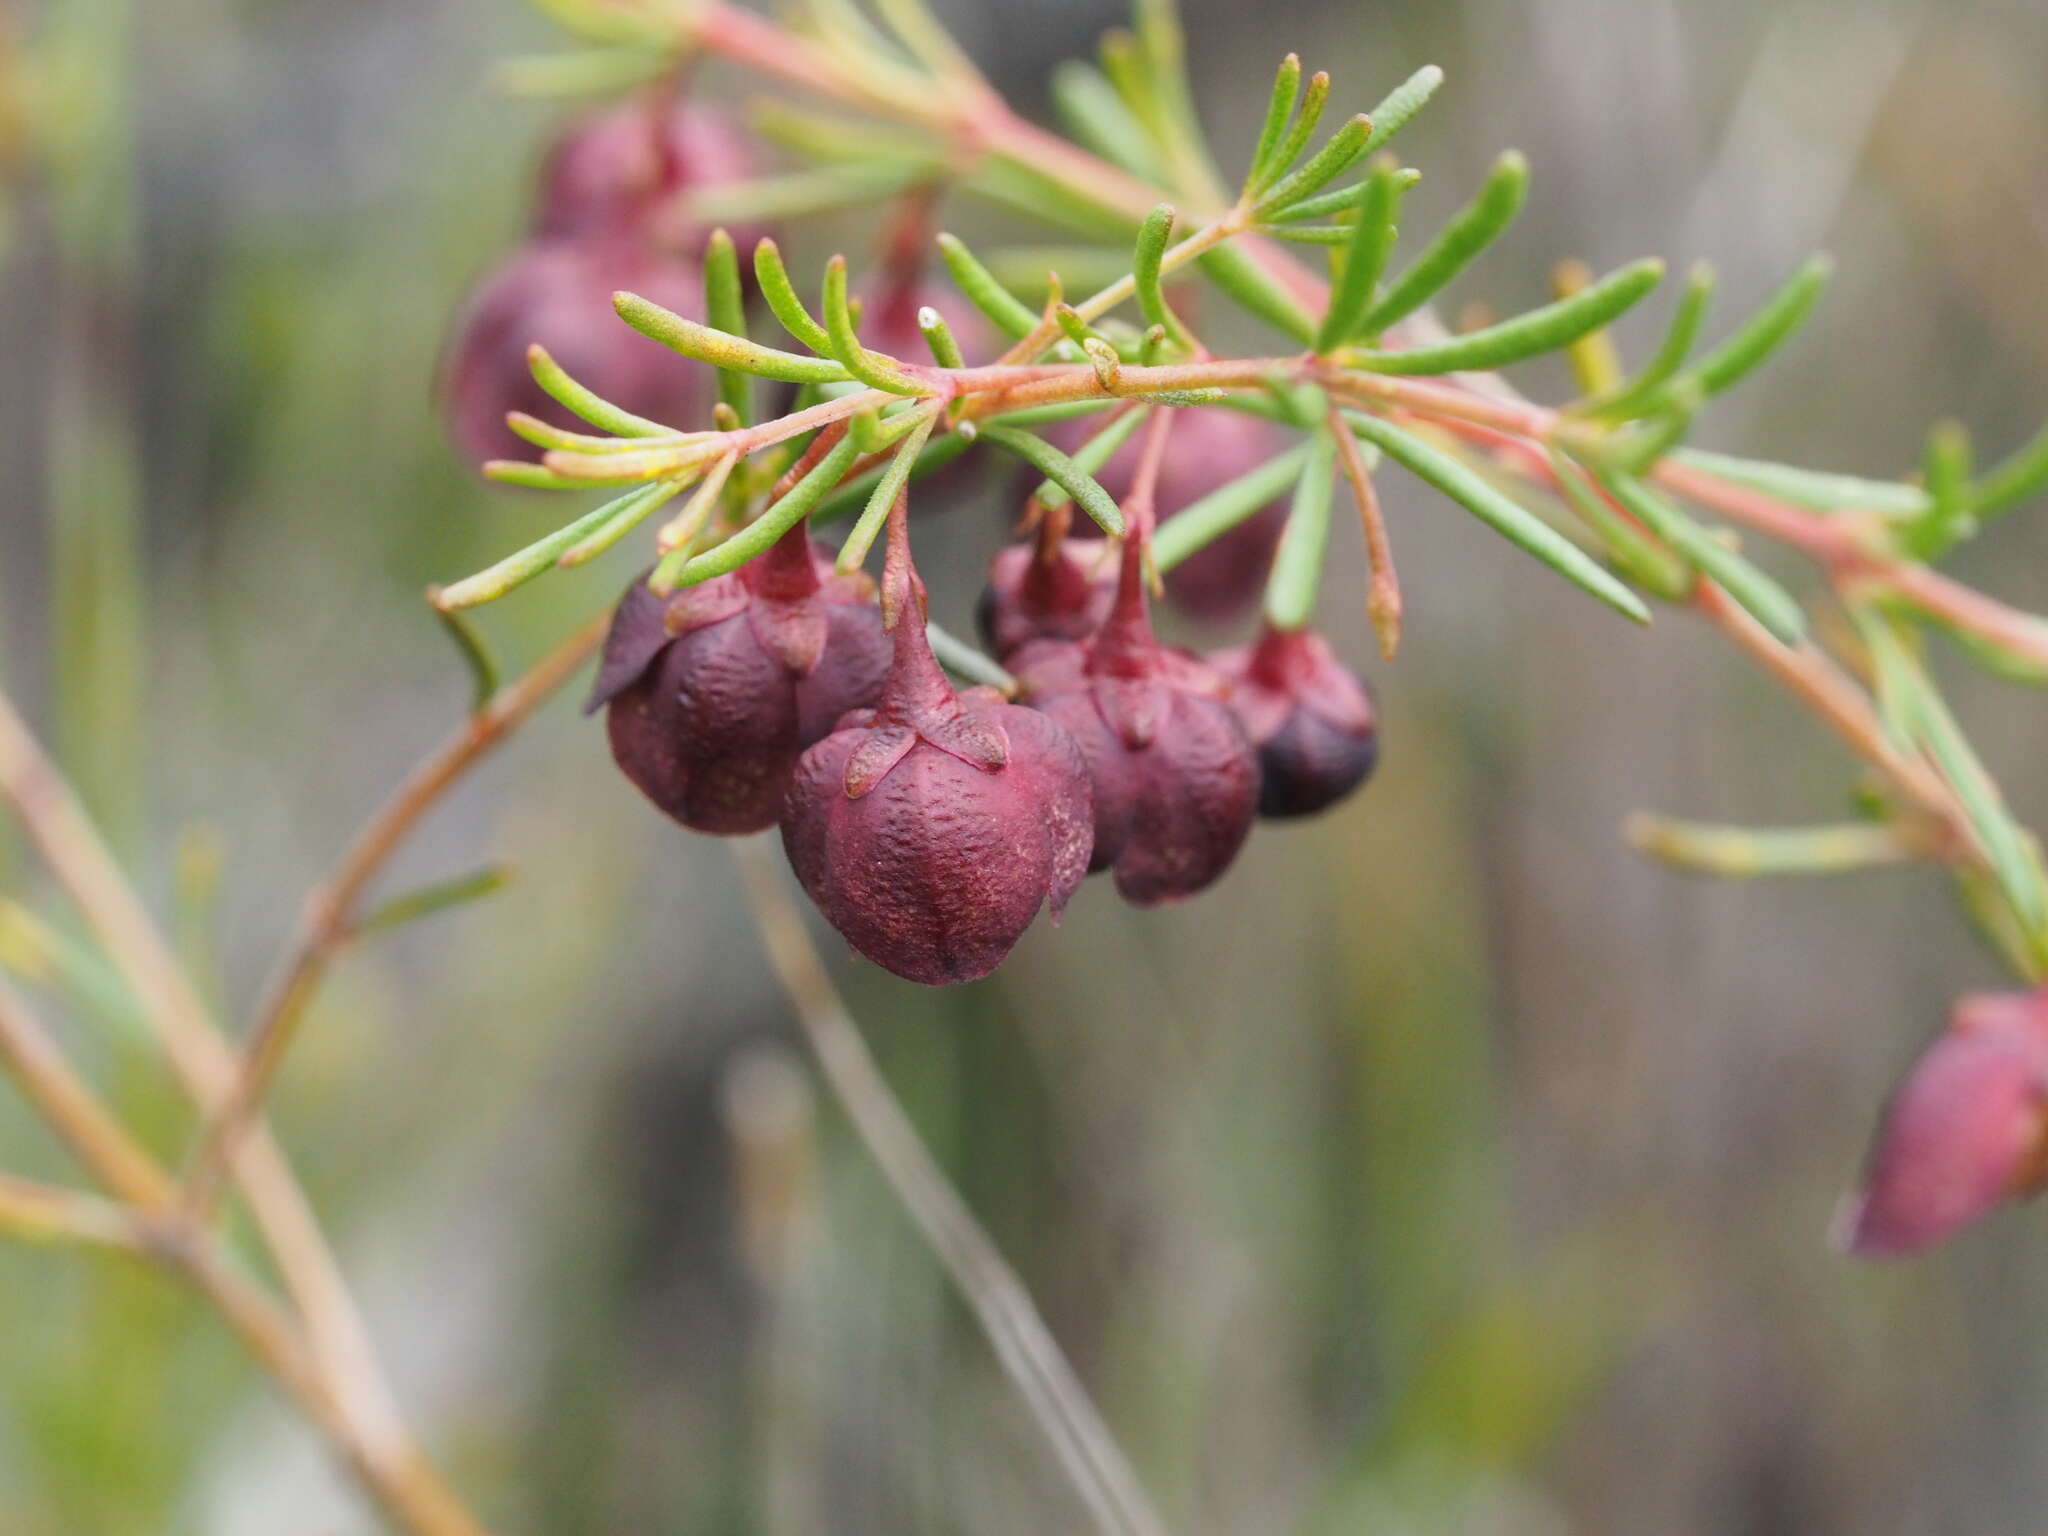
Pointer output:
x,y
559,293
1041,591
619,173
1174,778
931,829
1309,715
1212,445
713,693
1966,1131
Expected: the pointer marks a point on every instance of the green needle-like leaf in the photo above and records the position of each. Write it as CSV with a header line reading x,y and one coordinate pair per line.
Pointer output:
x,y
1515,523
1648,565
628,513
1528,335
476,655
1768,603
964,661
1679,337
1297,575
799,194
938,336
515,570
1274,164
1470,231
1153,237
1372,237
1339,153
1091,456
1811,488
438,897
1286,92
1099,117
777,520
1747,853
1920,708
2014,481
725,310
1063,472
876,513
1767,330
782,299
1945,471
586,403
1401,105
935,455
1241,279
1010,314
1207,519
871,368
721,350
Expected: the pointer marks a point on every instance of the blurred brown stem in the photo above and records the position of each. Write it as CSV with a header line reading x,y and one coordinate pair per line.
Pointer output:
x,y
1057,1400
331,907
334,1373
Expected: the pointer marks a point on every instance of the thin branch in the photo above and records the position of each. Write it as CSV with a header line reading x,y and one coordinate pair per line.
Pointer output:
x,y
1026,1348
339,1347
78,1115
330,909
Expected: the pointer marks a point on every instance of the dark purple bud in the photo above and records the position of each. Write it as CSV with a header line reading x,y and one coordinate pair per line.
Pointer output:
x,y
713,693
931,829
559,293
1222,580
1308,714
1174,778
1965,1132
619,173
1040,593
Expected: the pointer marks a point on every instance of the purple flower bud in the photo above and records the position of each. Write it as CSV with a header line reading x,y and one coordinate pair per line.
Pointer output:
x,y
1965,1131
1222,580
931,829
714,692
618,173
1310,717
559,293
1175,780
1036,593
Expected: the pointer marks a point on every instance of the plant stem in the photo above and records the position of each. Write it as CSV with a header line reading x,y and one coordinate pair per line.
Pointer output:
x,y
338,1346
331,907
1027,1350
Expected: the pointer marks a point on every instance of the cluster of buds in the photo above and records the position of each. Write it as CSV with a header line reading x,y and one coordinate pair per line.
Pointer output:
x,y
753,680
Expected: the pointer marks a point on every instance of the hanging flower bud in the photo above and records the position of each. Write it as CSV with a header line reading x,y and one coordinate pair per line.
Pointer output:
x,y
713,693
618,173
1222,580
1042,591
559,293
1308,714
1966,1131
1175,780
931,829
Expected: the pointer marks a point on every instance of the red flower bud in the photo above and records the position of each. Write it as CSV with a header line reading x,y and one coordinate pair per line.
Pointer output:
x,y
1035,593
1211,445
715,692
559,293
931,829
1965,1131
1310,717
618,172
1175,780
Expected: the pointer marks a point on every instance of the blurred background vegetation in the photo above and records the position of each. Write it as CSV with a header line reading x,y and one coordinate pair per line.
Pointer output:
x,y
1445,1169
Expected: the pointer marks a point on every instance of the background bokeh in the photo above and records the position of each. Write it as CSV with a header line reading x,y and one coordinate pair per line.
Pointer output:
x,y
1445,1169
